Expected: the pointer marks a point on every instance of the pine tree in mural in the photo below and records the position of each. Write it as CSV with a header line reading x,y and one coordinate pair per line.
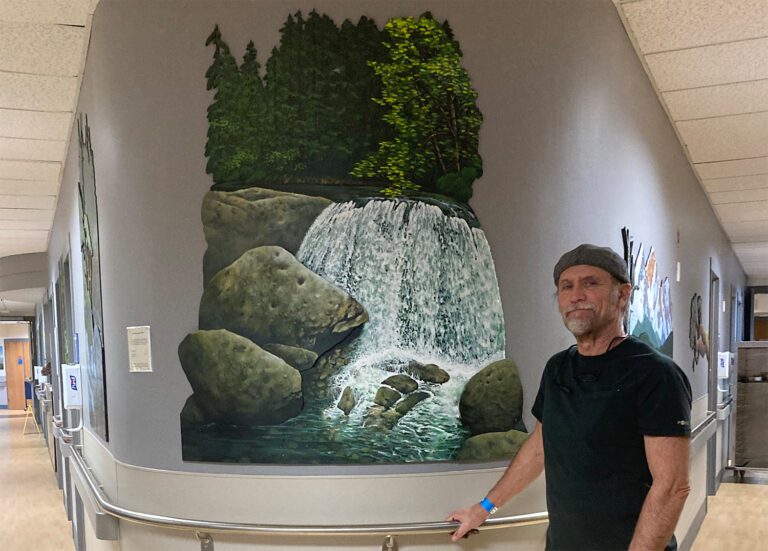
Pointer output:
x,y
431,106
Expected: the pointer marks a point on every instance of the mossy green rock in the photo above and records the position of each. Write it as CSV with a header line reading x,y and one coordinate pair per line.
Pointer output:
x,y
429,373
409,402
492,400
235,222
386,397
347,401
271,298
191,414
298,358
402,383
492,445
237,382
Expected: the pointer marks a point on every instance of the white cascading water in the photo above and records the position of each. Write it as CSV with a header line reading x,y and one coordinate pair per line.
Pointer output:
x,y
429,285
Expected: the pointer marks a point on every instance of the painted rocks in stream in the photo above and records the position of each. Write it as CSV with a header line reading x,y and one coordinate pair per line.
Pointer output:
x,y
271,298
492,400
429,373
237,382
235,222
493,445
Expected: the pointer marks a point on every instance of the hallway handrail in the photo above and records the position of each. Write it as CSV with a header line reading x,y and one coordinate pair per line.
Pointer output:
x,y
163,521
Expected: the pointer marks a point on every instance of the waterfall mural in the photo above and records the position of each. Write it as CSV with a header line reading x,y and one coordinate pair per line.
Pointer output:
x,y
350,311
650,311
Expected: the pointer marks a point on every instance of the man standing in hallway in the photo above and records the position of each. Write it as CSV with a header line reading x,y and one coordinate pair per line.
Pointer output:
x,y
613,430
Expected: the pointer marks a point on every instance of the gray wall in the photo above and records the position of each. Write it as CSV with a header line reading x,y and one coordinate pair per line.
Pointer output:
x,y
575,146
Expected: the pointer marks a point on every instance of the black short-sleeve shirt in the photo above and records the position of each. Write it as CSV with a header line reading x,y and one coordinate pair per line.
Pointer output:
x,y
595,411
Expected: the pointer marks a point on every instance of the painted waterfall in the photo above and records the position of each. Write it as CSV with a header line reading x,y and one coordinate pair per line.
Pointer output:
x,y
350,311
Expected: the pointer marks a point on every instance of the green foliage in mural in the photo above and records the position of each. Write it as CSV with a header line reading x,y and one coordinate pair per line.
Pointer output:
x,y
432,108
393,107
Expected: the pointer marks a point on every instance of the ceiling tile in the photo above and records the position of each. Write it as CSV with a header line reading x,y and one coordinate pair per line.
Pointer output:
x,y
25,225
29,170
725,138
15,123
38,93
716,101
64,12
721,198
746,231
18,149
28,187
45,202
28,235
41,49
673,24
726,169
710,65
739,183
12,248
744,212
26,214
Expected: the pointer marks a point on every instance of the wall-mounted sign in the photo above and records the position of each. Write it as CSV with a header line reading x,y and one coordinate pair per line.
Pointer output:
x,y
139,349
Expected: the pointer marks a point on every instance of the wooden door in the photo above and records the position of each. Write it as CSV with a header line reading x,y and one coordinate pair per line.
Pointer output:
x,y
18,367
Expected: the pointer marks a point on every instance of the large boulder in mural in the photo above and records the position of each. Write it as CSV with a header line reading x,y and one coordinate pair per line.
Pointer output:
x,y
237,221
235,381
271,298
492,400
492,445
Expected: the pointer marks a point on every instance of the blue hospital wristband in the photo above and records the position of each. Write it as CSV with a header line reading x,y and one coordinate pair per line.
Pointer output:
x,y
488,506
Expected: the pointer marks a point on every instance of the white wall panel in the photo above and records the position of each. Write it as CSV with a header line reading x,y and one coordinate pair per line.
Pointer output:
x,y
709,65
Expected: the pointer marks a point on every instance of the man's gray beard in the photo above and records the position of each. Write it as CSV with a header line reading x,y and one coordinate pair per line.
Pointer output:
x,y
579,327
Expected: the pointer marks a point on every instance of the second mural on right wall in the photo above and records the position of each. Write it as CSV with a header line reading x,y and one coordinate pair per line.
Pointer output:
x,y
650,311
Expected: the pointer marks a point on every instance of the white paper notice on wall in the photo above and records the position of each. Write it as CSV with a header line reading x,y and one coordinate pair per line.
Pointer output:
x,y
139,349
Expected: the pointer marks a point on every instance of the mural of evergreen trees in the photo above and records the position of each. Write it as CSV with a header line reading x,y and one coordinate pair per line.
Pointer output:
x,y
347,103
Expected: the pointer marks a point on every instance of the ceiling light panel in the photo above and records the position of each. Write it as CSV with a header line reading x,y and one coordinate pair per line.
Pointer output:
x,y
63,12
661,25
40,49
710,65
34,124
28,187
38,93
738,183
31,150
718,101
725,138
725,169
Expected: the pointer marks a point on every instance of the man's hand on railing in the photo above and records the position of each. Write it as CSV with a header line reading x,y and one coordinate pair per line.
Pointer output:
x,y
470,519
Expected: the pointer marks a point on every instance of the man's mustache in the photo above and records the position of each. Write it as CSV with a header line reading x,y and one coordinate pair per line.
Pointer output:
x,y
582,306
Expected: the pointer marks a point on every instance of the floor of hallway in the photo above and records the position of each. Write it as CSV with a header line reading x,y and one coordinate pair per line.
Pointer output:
x,y
32,513
32,516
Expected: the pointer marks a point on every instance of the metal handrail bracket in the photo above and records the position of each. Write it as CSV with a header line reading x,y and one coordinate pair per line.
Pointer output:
x,y
100,502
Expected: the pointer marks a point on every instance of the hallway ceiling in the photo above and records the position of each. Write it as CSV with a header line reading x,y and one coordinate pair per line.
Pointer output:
x,y
707,60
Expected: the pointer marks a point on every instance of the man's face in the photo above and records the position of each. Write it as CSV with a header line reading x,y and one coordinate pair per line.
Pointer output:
x,y
590,299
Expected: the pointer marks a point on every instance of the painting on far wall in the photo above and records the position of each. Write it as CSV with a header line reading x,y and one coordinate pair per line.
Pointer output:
x,y
650,311
89,246
698,339
351,312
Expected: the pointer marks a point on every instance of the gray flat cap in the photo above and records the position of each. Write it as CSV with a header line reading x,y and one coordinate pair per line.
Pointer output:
x,y
592,255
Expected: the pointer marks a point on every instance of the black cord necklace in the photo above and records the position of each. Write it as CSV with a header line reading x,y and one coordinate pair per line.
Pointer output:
x,y
619,338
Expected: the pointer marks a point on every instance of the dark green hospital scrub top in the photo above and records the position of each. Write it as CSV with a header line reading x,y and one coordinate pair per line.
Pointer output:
x,y
595,411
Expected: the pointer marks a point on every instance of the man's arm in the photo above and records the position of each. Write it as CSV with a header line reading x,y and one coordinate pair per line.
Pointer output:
x,y
668,458
522,470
